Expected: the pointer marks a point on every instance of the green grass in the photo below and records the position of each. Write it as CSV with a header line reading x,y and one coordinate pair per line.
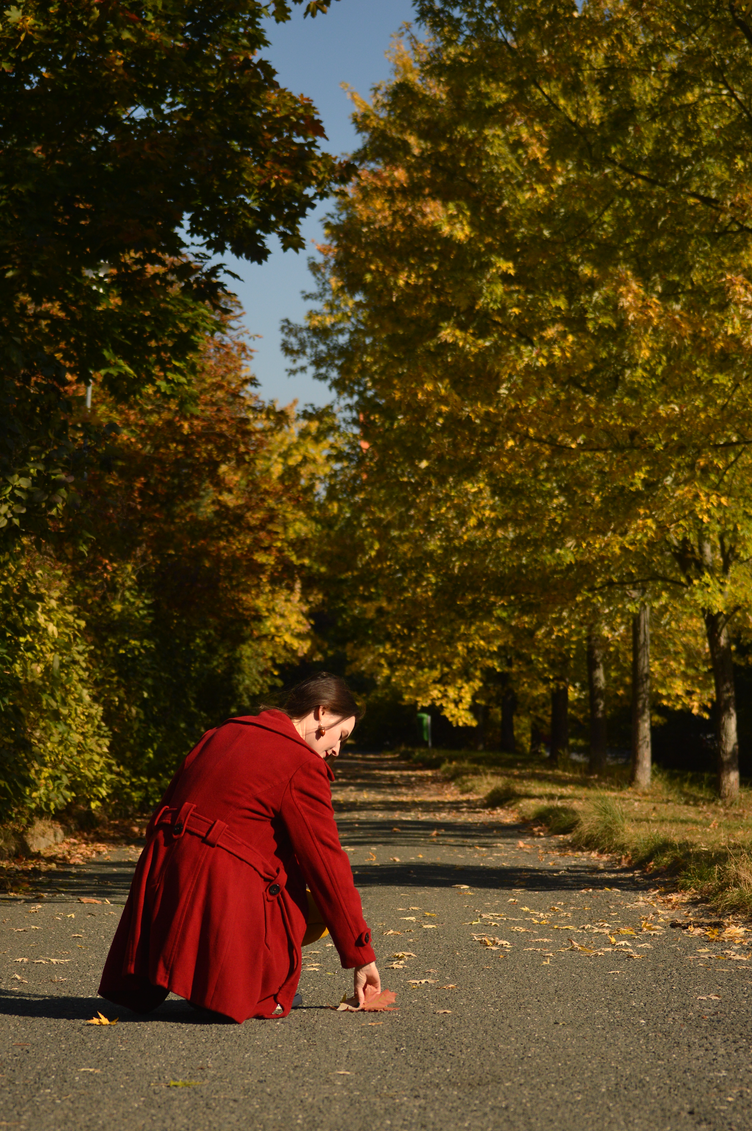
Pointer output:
x,y
677,828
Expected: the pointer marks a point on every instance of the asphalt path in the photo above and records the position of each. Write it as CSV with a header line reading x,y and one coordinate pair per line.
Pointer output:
x,y
537,989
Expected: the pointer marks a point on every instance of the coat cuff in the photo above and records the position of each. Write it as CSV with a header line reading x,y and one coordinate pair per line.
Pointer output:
x,y
360,953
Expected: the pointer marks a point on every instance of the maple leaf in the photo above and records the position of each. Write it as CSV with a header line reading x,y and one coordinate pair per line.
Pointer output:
x,y
100,1019
375,1002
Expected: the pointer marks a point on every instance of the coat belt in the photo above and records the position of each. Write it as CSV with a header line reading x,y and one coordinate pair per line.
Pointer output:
x,y
217,834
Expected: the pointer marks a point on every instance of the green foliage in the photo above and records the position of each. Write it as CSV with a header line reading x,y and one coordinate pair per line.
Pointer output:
x,y
132,135
53,741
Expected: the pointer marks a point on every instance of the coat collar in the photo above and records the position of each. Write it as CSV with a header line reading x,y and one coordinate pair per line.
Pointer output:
x,y
282,724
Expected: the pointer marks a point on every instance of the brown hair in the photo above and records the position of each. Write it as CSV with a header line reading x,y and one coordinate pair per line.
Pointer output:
x,y
321,690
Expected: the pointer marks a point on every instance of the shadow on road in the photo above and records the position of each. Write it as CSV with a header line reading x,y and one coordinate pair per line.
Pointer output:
x,y
425,875
66,1008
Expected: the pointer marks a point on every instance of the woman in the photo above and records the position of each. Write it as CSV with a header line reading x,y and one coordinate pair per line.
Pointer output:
x,y
218,907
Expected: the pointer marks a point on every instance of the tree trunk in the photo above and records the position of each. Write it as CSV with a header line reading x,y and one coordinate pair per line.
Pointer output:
x,y
725,705
559,722
597,689
481,712
641,744
536,737
508,706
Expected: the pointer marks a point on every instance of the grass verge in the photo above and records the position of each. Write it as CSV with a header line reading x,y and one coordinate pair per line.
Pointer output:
x,y
677,828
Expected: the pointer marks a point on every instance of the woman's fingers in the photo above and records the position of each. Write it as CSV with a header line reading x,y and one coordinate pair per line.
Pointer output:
x,y
367,975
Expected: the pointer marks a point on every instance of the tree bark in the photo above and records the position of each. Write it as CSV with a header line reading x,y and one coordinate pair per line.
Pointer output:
x,y
719,642
641,740
597,689
559,722
508,707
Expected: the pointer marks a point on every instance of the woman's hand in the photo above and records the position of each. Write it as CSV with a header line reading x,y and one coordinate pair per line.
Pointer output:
x,y
366,976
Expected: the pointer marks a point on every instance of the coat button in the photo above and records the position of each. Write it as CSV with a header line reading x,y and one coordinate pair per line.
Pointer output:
x,y
177,828
275,889
367,938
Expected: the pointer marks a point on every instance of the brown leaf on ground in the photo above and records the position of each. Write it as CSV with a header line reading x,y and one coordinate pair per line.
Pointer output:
x,y
374,1002
88,899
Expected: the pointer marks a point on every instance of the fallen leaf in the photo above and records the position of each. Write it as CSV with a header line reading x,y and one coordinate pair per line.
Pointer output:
x,y
429,927
18,978
100,1019
421,982
443,1011
403,954
392,932
491,941
580,948
408,918
396,859
375,1022
88,899
396,965
451,986
183,1083
341,1072
374,1002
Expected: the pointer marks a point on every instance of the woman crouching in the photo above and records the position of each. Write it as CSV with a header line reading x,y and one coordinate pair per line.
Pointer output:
x,y
218,908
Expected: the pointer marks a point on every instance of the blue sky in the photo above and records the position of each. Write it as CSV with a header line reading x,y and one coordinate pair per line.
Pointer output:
x,y
313,57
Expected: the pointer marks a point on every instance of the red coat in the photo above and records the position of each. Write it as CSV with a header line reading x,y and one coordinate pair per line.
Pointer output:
x,y
217,908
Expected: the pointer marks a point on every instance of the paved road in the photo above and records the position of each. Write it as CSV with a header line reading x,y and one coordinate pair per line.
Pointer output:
x,y
522,1031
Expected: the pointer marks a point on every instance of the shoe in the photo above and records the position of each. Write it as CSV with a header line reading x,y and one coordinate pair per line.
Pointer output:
x,y
297,1001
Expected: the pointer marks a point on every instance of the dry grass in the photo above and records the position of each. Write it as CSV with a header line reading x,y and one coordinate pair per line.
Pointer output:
x,y
677,827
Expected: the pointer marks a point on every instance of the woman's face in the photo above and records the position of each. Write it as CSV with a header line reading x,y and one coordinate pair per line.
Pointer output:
x,y
325,732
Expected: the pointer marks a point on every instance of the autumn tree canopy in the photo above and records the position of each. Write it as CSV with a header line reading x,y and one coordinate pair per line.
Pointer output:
x,y
535,297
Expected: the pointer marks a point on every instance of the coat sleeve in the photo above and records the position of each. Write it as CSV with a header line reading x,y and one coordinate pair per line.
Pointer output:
x,y
308,814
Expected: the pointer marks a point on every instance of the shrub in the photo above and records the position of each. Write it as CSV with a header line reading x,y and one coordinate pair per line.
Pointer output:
x,y
53,743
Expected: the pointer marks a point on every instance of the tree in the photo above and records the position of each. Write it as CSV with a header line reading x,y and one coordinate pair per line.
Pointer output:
x,y
570,326
641,743
205,525
138,138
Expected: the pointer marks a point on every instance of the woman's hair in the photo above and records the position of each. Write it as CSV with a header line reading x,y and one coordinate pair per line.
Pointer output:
x,y
321,690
